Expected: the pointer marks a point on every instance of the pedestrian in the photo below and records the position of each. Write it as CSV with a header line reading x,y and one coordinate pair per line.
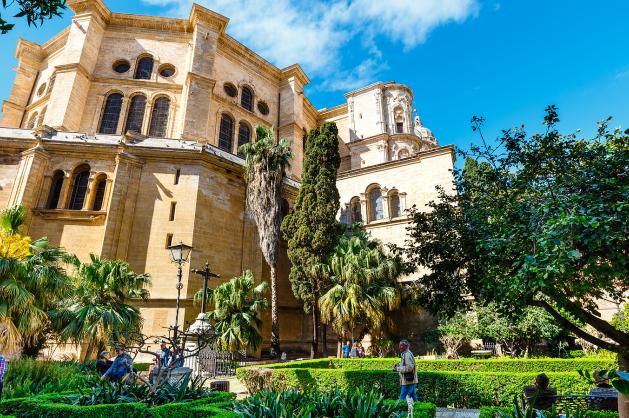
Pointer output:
x,y
408,373
361,350
345,349
164,354
3,369
120,367
177,360
104,363
354,351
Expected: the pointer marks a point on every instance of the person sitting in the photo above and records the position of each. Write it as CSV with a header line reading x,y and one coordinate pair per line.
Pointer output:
x,y
541,396
104,363
121,366
604,395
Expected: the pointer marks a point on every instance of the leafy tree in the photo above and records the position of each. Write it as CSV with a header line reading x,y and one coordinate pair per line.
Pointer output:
x,y
312,229
32,281
457,330
620,319
364,286
35,11
537,220
99,311
265,170
237,304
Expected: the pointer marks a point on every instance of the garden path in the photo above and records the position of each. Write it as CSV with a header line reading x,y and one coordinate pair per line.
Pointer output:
x,y
457,413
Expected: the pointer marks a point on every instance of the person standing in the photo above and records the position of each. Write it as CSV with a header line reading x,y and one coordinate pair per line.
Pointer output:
x,y
407,371
346,349
3,369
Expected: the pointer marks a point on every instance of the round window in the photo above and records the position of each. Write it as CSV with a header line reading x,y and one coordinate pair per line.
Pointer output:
x,y
263,108
42,89
230,90
167,70
121,66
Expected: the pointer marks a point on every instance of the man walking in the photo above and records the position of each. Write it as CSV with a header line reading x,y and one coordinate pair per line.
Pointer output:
x,y
3,369
408,374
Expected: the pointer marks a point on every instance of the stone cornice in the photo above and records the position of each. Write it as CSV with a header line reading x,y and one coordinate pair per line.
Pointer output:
x,y
238,110
333,112
207,16
89,6
378,84
43,99
241,53
26,50
209,82
67,68
141,84
57,42
12,105
126,21
417,158
296,71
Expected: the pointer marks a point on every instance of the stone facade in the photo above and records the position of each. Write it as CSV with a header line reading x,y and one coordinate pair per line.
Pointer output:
x,y
120,136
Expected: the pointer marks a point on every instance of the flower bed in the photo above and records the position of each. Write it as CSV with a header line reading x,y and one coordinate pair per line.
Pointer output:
x,y
52,406
460,388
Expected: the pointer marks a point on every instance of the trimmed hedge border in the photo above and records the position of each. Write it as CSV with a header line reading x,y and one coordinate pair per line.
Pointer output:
x,y
492,412
50,406
420,409
458,389
518,365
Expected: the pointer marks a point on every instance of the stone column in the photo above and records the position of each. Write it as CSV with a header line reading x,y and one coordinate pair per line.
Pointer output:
x,y
121,211
385,203
73,73
30,177
363,207
29,57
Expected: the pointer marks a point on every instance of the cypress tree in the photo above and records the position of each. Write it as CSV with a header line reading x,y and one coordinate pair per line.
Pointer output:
x,y
311,230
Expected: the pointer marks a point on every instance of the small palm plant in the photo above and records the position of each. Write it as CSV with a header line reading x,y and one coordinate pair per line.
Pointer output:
x,y
265,170
99,310
237,305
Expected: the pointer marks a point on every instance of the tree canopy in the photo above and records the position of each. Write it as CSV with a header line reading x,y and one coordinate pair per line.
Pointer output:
x,y
537,220
35,11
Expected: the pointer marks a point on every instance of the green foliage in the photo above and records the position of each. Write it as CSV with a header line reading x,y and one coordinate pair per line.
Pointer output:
x,y
311,230
35,11
98,311
465,383
346,404
12,218
457,330
215,404
27,377
498,411
619,379
364,286
620,320
541,222
237,305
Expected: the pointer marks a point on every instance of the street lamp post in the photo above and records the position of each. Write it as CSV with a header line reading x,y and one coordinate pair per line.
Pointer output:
x,y
179,253
206,274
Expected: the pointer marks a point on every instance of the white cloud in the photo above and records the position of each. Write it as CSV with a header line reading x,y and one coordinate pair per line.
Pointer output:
x,y
314,33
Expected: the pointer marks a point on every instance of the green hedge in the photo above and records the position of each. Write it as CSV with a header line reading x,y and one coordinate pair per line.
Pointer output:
x,y
50,406
458,389
518,365
492,412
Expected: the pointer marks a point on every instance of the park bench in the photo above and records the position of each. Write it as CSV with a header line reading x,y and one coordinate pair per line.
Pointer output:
x,y
563,403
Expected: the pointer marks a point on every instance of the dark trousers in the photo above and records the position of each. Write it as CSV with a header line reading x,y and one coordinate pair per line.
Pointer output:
x,y
1,385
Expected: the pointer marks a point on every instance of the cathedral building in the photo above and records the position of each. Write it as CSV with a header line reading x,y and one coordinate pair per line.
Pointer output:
x,y
120,137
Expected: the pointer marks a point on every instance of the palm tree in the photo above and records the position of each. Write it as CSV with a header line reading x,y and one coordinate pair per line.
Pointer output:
x,y
98,312
237,304
32,282
265,170
364,286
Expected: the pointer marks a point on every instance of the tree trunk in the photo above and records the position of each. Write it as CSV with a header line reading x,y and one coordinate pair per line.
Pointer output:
x,y
324,339
275,325
623,400
314,348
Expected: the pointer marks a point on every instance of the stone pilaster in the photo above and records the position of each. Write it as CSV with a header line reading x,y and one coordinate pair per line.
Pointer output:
x,y
80,55
122,201
291,118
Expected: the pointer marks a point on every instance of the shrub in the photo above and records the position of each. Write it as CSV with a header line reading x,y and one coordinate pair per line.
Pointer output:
x,y
297,403
26,377
459,389
495,411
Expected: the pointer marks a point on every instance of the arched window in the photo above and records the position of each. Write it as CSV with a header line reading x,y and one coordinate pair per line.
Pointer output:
x,y
111,114
144,69
32,122
135,115
356,213
244,135
375,204
159,117
399,120
79,187
51,84
42,115
246,98
394,205
403,153
99,192
226,133
55,190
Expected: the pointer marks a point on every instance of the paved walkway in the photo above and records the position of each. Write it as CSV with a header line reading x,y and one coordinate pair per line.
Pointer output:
x,y
457,413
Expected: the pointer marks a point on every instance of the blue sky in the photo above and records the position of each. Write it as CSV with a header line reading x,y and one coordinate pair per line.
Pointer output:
x,y
504,60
